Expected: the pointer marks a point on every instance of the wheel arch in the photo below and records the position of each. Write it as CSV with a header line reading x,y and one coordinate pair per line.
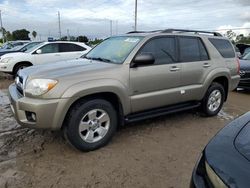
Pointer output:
x,y
111,97
21,63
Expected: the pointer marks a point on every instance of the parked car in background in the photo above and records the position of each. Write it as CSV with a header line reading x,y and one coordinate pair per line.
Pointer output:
x,y
22,48
11,44
47,52
245,72
225,161
244,48
237,52
125,79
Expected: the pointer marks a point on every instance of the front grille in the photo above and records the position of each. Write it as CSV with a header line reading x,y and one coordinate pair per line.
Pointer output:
x,y
245,74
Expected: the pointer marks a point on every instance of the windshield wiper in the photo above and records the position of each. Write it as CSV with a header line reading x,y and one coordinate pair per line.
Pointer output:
x,y
99,59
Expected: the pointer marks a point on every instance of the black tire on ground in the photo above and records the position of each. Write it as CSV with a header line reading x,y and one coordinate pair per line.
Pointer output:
x,y
76,115
18,67
205,102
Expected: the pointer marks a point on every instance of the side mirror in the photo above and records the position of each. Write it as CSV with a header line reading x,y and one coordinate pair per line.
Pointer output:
x,y
39,51
143,59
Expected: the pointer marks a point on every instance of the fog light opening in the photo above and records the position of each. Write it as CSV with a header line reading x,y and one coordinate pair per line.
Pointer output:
x,y
31,116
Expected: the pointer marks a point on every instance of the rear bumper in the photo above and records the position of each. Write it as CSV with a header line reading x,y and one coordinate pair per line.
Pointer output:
x,y
234,82
47,112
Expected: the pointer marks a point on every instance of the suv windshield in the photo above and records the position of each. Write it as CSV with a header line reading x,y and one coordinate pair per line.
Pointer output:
x,y
114,49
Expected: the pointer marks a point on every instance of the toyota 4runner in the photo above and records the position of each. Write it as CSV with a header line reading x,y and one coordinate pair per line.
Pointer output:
x,y
124,79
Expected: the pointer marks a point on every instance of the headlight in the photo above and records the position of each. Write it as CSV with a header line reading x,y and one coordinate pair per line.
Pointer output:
x,y
215,180
38,87
6,60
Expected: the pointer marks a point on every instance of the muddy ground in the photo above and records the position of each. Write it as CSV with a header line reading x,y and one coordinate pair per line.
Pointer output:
x,y
154,153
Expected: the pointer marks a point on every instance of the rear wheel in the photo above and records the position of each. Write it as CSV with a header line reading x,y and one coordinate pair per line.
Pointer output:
x,y
91,124
213,100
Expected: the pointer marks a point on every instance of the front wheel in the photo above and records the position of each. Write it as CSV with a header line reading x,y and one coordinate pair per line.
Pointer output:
x,y
213,100
91,124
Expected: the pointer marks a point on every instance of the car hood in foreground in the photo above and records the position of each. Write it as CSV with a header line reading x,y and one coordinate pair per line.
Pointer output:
x,y
228,153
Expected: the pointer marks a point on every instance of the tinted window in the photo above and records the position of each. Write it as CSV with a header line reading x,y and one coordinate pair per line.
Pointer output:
x,y
50,48
71,48
203,51
224,47
163,50
189,49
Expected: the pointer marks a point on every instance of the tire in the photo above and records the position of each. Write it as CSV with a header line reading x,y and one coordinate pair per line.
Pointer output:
x,y
94,131
19,67
213,100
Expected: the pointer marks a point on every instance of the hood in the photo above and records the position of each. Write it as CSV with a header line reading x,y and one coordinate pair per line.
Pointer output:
x,y
242,141
15,54
245,65
65,69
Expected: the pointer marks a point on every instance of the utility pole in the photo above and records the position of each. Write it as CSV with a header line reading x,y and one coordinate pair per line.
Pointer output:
x,y
135,15
111,27
68,34
59,26
116,29
1,25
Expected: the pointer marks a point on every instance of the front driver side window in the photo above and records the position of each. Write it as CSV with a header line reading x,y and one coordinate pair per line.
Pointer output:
x,y
163,49
50,48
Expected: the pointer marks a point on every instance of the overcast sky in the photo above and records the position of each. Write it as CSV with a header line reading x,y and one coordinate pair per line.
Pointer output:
x,y
91,17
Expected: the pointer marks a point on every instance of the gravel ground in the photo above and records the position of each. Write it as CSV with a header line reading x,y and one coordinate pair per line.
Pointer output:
x,y
155,153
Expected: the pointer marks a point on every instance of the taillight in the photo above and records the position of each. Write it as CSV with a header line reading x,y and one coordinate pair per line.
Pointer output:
x,y
238,66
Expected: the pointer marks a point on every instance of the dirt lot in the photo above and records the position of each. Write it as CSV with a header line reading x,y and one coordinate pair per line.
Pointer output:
x,y
154,153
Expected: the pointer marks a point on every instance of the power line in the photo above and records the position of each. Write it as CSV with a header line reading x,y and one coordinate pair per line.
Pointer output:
x,y
233,29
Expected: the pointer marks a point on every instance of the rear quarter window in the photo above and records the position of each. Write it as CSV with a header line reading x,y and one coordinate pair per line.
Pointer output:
x,y
224,47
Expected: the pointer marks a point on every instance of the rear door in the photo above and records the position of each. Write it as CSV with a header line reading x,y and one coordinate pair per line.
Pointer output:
x,y
70,51
196,64
156,85
50,53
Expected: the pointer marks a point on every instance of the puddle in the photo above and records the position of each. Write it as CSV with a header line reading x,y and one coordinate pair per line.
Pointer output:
x,y
224,115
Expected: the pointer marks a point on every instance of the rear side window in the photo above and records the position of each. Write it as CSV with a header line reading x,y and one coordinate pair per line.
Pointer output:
x,y
64,47
224,47
163,49
192,49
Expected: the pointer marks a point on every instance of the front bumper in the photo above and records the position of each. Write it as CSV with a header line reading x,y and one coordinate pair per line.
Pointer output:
x,y
199,177
244,83
6,67
234,82
48,112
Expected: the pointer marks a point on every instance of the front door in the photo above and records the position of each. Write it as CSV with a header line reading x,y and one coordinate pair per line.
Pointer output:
x,y
49,54
156,85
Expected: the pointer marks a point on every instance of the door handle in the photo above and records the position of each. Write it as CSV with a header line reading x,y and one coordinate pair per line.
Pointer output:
x,y
57,55
174,68
206,65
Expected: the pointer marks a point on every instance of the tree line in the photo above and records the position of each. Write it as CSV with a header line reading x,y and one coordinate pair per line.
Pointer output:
x,y
237,39
23,34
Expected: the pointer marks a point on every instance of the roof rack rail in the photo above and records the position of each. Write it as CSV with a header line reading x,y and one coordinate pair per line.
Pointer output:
x,y
191,31
144,31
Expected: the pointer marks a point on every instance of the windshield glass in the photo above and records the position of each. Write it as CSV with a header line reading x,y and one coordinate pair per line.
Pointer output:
x,y
114,49
33,48
246,57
